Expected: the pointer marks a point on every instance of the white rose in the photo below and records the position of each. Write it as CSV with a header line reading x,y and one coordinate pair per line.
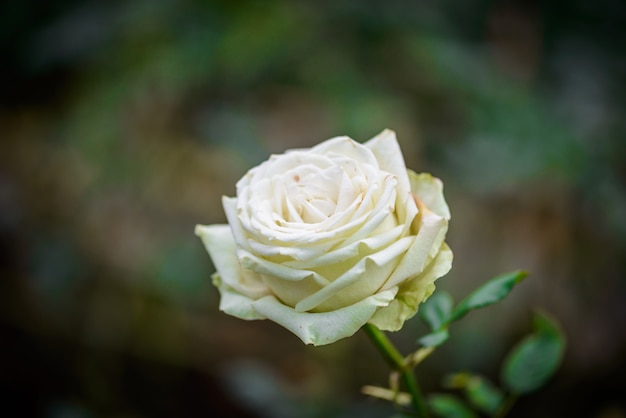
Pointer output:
x,y
326,239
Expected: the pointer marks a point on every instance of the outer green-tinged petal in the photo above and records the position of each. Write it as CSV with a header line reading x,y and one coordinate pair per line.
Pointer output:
x,y
411,294
234,303
326,327
429,190
219,242
432,230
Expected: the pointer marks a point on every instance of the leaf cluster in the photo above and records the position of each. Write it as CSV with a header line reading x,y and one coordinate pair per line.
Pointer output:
x,y
526,368
438,312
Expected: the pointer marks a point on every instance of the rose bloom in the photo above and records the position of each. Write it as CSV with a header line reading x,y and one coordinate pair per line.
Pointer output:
x,y
326,239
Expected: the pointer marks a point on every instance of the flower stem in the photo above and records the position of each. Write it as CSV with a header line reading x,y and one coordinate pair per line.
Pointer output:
x,y
397,363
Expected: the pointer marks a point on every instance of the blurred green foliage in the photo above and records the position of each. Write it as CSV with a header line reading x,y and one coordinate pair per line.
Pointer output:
x,y
122,124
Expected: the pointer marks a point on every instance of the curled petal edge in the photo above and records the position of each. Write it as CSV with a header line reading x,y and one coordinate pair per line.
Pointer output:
x,y
387,150
233,302
429,190
324,327
412,293
220,244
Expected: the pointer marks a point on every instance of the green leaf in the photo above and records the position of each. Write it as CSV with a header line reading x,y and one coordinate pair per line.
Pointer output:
x,y
491,292
534,359
484,395
434,339
449,406
436,310
544,324
479,391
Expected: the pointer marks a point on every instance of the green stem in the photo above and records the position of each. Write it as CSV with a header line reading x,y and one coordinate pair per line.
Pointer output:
x,y
397,363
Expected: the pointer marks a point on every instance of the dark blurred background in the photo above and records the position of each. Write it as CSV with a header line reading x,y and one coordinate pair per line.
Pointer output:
x,y
123,122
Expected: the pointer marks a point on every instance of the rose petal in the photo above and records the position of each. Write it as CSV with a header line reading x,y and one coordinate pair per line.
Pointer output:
x,y
230,209
411,294
262,266
326,327
343,253
348,147
384,207
429,190
432,230
389,156
219,242
370,272
233,302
